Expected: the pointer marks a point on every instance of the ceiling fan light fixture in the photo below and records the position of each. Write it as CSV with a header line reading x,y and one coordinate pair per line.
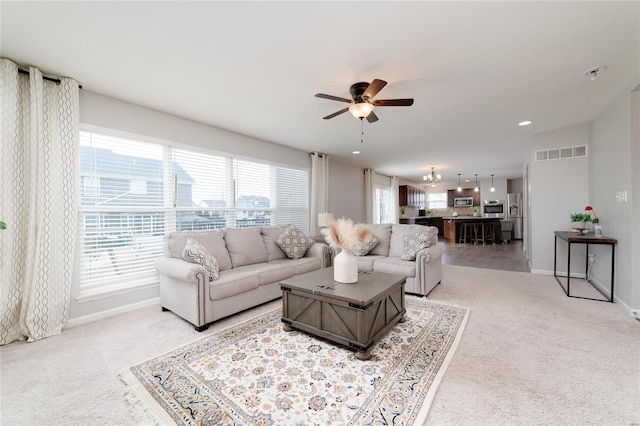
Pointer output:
x,y
361,109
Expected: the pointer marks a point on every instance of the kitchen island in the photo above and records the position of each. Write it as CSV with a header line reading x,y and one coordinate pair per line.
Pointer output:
x,y
453,225
436,221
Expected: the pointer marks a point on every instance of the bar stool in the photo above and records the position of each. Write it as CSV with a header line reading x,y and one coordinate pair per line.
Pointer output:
x,y
488,234
469,231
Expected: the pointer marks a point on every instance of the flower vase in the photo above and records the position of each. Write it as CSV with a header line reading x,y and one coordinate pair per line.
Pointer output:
x,y
345,267
597,229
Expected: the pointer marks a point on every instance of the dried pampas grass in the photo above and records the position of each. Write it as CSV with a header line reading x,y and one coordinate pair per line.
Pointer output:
x,y
343,233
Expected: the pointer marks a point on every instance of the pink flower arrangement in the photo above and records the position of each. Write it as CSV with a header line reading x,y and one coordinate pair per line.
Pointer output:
x,y
590,210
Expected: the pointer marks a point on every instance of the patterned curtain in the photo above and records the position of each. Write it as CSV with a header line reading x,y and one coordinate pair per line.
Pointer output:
x,y
39,122
319,189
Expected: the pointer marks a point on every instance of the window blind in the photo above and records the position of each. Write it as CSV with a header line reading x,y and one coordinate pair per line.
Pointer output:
x,y
134,192
122,214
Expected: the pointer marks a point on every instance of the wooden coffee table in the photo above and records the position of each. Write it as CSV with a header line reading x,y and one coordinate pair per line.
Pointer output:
x,y
355,315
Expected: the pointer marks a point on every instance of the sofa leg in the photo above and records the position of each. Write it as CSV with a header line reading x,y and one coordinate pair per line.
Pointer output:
x,y
201,328
164,309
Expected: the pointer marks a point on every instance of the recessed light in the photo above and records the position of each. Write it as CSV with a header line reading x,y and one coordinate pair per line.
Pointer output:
x,y
356,152
525,123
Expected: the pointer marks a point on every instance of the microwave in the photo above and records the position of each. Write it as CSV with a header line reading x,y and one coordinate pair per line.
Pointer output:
x,y
493,208
463,201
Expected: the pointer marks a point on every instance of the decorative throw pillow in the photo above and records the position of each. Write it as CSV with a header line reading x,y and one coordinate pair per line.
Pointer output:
x,y
294,243
413,244
194,252
366,246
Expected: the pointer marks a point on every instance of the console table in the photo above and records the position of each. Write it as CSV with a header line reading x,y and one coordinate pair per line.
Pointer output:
x,y
575,238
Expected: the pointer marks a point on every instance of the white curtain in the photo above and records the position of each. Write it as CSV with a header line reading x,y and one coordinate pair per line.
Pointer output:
x,y
369,193
319,202
394,200
39,157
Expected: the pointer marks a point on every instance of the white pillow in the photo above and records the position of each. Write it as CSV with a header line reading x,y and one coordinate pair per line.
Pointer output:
x,y
366,246
413,243
194,252
294,243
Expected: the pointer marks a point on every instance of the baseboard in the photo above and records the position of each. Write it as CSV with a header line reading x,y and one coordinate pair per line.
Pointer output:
x,y
559,273
112,312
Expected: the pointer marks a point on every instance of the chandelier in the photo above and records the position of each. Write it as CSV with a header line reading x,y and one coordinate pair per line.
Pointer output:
x,y
433,178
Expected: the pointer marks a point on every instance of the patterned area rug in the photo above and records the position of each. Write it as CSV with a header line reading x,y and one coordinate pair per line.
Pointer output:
x,y
256,373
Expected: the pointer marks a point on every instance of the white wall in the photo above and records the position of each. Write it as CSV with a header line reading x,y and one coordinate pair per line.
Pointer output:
x,y
102,111
614,166
346,191
557,188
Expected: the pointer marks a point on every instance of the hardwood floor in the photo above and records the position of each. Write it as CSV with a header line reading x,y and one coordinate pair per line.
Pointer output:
x,y
506,257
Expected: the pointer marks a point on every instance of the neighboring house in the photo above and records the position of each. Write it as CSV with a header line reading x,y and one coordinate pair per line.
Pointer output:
x,y
260,213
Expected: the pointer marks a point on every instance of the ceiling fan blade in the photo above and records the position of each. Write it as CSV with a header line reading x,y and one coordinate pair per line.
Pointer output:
x,y
336,113
372,117
393,102
333,98
373,89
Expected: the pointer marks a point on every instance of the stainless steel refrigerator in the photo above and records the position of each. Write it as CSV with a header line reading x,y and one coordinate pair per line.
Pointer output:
x,y
514,214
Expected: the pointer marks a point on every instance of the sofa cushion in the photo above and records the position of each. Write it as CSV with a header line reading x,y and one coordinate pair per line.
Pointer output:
x,y
212,240
365,263
396,246
395,265
383,234
234,281
413,244
269,236
193,252
300,266
294,242
366,246
245,246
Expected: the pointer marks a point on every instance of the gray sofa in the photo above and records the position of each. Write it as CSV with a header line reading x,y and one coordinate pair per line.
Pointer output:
x,y
423,274
251,267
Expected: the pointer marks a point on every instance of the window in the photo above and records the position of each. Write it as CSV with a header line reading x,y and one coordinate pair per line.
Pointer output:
x,y
437,200
134,192
384,203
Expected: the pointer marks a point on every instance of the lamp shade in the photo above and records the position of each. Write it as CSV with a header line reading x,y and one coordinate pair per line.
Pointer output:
x,y
361,109
325,218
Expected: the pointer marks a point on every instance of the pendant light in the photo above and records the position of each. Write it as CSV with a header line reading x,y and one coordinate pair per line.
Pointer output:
x,y
493,189
459,187
476,189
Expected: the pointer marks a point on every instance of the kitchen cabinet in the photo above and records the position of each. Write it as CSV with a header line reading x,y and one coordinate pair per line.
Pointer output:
x,y
468,192
411,196
438,223
449,226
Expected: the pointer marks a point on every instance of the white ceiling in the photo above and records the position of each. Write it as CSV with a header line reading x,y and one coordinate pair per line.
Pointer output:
x,y
475,69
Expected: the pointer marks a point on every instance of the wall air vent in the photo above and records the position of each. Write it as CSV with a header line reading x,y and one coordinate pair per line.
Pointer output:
x,y
562,153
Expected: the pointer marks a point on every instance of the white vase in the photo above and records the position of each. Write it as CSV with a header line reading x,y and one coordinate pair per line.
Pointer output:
x,y
578,225
597,229
345,267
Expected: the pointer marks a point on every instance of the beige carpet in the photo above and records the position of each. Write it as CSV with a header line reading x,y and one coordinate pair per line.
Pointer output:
x,y
529,355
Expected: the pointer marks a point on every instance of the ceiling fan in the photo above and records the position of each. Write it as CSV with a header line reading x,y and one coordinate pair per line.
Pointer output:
x,y
362,103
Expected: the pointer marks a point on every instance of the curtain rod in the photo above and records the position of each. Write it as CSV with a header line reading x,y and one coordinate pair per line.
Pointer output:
x,y
378,173
44,77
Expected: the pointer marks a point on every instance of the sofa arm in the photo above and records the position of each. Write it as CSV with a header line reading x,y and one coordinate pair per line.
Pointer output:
x,y
180,270
435,251
319,250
